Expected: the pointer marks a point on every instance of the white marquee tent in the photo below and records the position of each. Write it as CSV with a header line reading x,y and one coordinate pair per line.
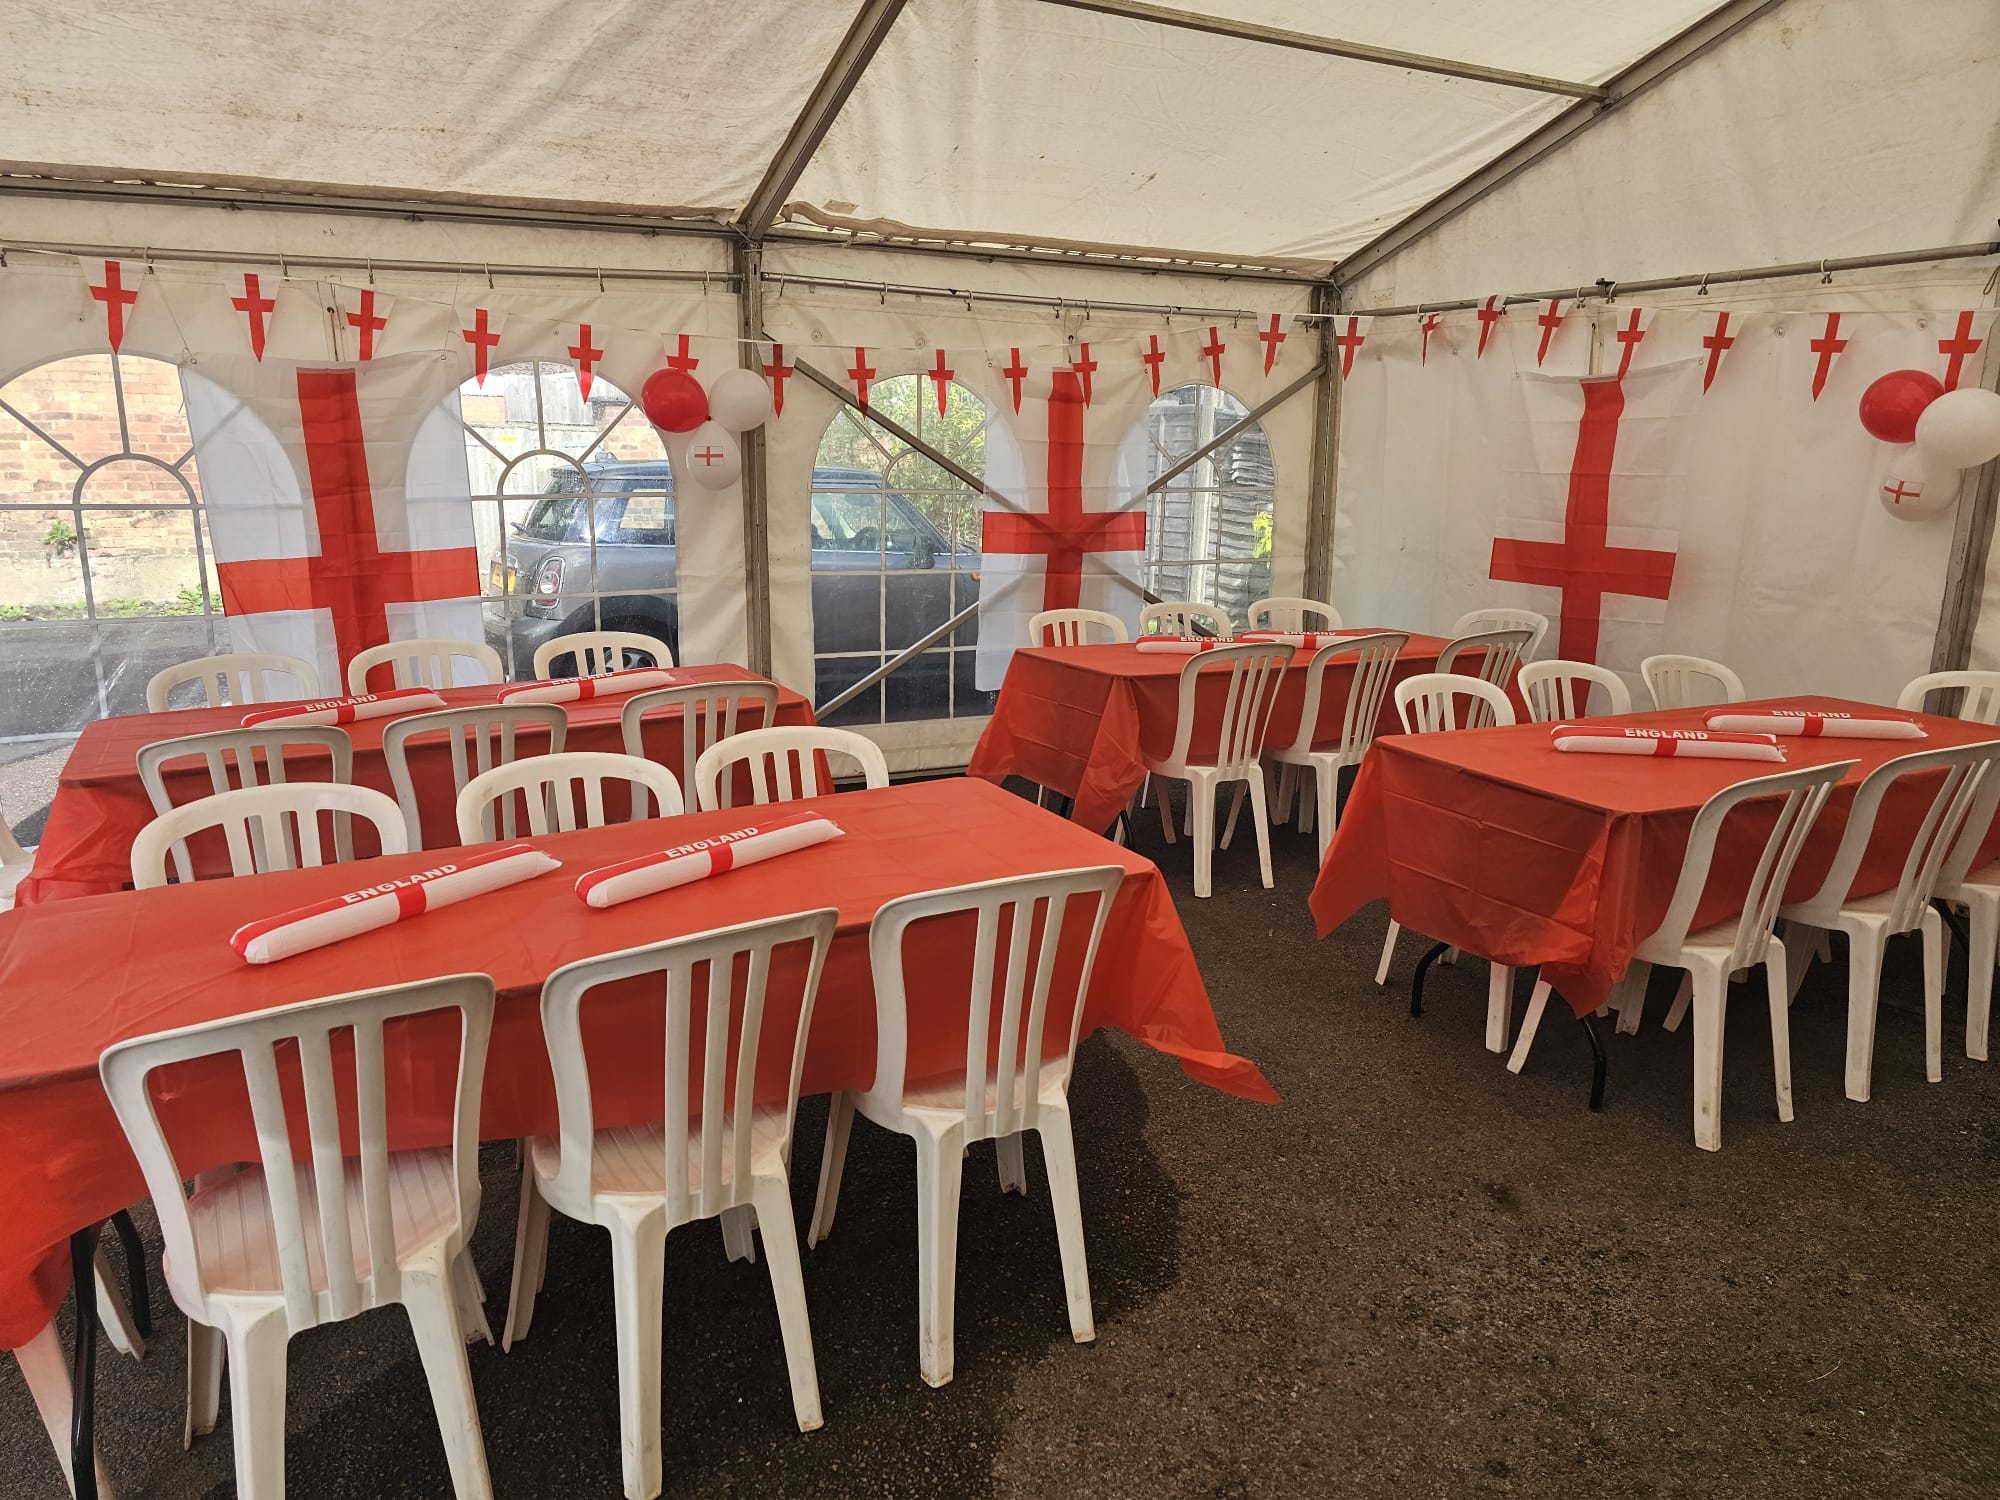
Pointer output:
x,y
1010,182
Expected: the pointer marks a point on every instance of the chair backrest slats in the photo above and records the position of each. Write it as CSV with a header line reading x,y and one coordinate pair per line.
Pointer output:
x,y
325,1237
269,827
1283,613
1184,617
783,763
1373,667
598,653
235,677
1255,671
431,662
1978,700
549,786
1428,703
232,759
1500,654
478,739
1690,681
1072,627
1557,690
1475,621
710,712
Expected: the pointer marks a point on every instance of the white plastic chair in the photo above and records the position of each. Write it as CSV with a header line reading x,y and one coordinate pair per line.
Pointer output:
x,y
478,739
1979,702
1978,891
996,1096
1071,627
1683,681
599,652
710,712
1183,617
15,863
235,677
784,764
1500,655
1373,668
1475,621
1255,671
233,758
549,784
1558,690
293,1241
1281,612
45,1367
270,828
1714,954
719,1156
433,662
1870,921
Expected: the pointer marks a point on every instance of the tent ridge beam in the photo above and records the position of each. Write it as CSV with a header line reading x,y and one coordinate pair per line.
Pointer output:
x,y
1662,62
850,60
1326,46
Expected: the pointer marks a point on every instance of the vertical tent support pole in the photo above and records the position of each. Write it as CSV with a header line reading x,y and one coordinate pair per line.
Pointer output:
x,y
748,263
1325,453
1971,548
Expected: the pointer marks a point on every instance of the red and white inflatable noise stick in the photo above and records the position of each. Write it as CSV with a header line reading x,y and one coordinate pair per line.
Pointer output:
x,y
307,927
1182,645
1702,743
578,689
1312,640
347,710
1813,725
685,863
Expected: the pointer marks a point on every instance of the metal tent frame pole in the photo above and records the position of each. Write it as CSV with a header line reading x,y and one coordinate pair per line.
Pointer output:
x,y
1325,475
745,260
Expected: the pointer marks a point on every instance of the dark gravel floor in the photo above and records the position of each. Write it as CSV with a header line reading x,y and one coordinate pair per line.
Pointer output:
x,y
1419,1276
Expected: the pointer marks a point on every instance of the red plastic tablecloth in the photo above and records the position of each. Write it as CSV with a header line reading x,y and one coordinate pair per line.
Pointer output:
x,y
100,805
1495,842
1081,720
76,976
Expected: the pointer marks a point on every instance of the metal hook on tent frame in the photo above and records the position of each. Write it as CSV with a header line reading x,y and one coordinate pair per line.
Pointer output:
x,y
146,252
1702,290
1609,288
488,268
3,257
884,294
284,271
1581,293
370,263
600,280
1825,276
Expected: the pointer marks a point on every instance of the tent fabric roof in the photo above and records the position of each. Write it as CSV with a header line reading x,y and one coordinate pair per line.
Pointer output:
x,y
1012,119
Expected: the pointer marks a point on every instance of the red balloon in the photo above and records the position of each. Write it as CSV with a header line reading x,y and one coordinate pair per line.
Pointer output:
x,y
1890,407
675,402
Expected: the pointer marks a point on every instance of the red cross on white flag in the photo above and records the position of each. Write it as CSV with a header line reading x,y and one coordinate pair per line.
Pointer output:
x,y
1550,318
1083,367
114,293
681,359
1353,334
1271,338
1717,342
1426,326
1630,330
778,372
1827,347
1957,347
861,374
585,352
256,307
1212,352
481,328
1491,311
1015,373
1152,357
941,376
365,316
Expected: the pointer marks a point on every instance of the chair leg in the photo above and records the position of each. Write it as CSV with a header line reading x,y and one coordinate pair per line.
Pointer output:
x,y
1776,967
839,1119
1308,806
940,1169
471,1294
112,1313
1201,810
206,1359
1388,953
1326,787
1281,803
773,1197
1683,996
256,1361
1628,996
1934,964
1499,1006
430,1297
1259,811
1235,807
46,1370
638,1278
1012,1163
531,1253
1145,788
1166,802
1711,988
1864,994
1803,947
1984,918
1059,1152
739,1233
1537,1003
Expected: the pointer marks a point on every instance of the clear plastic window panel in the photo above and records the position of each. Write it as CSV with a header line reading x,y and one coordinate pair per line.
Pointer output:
x,y
1209,532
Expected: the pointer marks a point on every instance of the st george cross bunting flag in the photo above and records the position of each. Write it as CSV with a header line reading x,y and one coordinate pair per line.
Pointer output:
x,y
337,504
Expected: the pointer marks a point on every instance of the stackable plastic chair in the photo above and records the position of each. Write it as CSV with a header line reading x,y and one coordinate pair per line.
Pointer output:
x,y
236,677
1714,954
479,738
270,828
1977,889
599,652
996,1096
1690,682
1374,666
549,786
15,863
1979,702
1183,617
1072,627
233,758
784,762
1500,655
720,1156
1285,613
1558,690
295,1239
1255,670
710,713
1475,621
1870,921
432,662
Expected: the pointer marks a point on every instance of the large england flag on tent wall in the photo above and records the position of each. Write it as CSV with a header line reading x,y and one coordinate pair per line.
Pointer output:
x,y
338,506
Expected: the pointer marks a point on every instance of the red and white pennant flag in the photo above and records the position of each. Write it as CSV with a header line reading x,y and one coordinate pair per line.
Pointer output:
x,y
365,319
481,328
114,286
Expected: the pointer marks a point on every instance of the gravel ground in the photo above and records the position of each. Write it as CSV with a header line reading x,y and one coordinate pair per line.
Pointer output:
x,y
1419,1276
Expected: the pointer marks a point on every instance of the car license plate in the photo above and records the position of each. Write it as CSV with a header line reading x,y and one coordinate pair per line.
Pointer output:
x,y
503,577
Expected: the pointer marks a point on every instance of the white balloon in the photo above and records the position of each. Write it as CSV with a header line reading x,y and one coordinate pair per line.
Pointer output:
x,y
739,399
713,459
1913,495
1960,429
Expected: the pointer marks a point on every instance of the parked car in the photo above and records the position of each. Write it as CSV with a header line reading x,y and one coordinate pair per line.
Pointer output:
x,y
860,604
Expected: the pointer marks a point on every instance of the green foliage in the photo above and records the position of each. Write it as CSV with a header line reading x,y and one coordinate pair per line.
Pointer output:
x,y
1262,522
186,602
12,612
60,538
854,442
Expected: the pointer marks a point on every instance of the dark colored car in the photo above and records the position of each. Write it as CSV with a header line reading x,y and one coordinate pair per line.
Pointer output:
x,y
876,587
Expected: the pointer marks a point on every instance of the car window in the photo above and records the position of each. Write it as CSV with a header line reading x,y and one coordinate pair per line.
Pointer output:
x,y
847,522
644,519
908,532
555,518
